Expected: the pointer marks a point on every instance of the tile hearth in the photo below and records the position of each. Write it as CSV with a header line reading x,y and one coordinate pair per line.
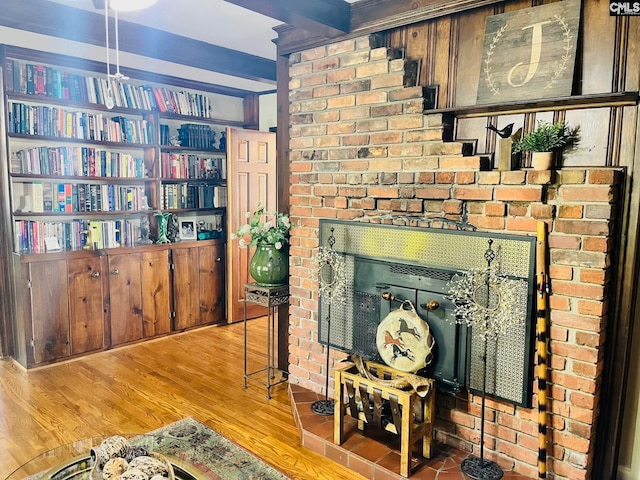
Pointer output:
x,y
375,456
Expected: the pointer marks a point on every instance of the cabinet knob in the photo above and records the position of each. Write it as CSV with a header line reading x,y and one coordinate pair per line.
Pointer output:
x,y
95,274
431,305
219,259
115,271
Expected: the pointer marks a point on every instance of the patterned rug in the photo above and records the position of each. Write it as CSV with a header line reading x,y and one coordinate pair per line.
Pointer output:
x,y
195,451
211,453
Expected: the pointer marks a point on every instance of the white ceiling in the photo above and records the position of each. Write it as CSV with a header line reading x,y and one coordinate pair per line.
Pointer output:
x,y
212,21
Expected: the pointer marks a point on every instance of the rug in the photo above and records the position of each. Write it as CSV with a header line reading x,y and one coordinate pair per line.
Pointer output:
x,y
212,453
195,451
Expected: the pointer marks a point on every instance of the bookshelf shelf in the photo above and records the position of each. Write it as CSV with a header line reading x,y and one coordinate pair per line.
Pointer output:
x,y
178,149
194,210
79,141
73,215
120,180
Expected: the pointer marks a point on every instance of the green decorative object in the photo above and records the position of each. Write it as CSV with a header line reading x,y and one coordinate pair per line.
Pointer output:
x,y
269,265
547,137
163,223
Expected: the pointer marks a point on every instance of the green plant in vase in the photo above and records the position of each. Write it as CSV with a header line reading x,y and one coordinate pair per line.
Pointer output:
x,y
269,233
545,139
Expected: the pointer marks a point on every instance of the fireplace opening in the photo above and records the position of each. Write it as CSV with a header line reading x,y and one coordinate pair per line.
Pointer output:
x,y
387,265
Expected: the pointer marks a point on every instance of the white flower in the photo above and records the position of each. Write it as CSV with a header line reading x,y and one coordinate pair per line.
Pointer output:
x,y
267,226
242,243
278,245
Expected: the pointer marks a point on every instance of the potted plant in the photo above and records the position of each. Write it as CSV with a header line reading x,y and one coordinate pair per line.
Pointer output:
x,y
542,141
269,232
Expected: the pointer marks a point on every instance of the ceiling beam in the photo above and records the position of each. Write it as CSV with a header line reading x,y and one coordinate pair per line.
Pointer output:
x,y
57,20
312,15
373,16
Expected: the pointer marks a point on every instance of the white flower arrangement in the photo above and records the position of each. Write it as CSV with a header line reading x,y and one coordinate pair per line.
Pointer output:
x,y
486,301
262,230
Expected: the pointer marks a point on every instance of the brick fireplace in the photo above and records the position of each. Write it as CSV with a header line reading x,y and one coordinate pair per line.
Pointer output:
x,y
361,149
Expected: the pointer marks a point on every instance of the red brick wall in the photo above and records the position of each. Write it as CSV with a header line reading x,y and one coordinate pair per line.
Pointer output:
x,y
361,149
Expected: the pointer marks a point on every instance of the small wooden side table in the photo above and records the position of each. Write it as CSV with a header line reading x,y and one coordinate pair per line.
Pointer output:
x,y
272,298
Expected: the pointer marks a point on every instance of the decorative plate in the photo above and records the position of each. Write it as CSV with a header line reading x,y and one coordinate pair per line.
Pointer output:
x,y
404,340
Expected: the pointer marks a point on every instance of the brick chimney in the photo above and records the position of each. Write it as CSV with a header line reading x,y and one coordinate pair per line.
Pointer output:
x,y
361,149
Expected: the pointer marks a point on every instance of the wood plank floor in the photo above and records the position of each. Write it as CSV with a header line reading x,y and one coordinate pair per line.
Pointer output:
x,y
142,387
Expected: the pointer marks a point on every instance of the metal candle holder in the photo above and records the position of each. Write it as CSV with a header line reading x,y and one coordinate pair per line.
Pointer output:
x,y
327,277
474,467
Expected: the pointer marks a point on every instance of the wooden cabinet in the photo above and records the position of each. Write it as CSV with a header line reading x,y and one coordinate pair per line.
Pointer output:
x,y
62,308
74,303
125,298
86,303
198,285
139,295
49,292
156,285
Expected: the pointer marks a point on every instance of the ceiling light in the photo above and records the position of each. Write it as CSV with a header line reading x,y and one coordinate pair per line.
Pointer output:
x,y
130,5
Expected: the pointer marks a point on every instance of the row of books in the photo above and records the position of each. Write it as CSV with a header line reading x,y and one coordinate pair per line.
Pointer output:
x,y
194,135
58,122
77,161
34,237
38,79
39,197
174,165
178,196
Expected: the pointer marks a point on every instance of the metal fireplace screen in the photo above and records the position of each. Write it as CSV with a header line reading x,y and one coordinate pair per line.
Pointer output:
x,y
414,263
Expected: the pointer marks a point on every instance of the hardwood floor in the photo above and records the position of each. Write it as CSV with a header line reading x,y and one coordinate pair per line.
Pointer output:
x,y
142,387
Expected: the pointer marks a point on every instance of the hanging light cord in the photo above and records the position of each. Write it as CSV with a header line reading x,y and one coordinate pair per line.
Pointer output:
x,y
106,30
118,74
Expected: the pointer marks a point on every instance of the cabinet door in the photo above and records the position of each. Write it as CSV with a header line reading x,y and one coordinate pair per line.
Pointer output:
x,y
49,310
211,268
186,290
155,293
125,298
86,304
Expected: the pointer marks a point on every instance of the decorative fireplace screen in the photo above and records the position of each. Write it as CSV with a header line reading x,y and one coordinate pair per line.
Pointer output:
x,y
386,265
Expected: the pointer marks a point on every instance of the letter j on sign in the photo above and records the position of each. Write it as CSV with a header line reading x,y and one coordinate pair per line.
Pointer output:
x,y
529,54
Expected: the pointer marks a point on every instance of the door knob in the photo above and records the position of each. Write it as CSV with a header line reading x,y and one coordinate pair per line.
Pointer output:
x,y
115,271
431,305
95,274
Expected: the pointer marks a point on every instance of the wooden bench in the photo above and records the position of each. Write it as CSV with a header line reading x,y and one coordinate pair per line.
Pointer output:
x,y
411,416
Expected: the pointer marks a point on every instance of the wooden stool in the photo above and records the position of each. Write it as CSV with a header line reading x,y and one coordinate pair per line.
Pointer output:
x,y
411,415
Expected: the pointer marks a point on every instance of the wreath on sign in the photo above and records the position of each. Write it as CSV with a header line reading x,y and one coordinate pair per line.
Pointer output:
x,y
486,301
332,285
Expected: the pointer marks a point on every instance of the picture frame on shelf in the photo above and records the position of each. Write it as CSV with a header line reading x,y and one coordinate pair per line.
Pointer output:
x,y
188,229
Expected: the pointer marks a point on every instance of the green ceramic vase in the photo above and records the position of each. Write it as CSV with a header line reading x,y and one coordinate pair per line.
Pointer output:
x,y
269,266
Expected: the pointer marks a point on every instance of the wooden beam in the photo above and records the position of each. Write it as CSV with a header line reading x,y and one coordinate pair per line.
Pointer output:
x,y
50,18
372,16
312,15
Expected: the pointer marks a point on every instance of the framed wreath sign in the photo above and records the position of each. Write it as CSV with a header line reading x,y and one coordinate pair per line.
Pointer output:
x,y
530,53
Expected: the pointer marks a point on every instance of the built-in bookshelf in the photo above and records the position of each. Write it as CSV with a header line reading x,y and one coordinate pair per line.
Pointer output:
x,y
91,157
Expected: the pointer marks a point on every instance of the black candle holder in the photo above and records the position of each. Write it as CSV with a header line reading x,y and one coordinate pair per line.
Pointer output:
x,y
327,275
